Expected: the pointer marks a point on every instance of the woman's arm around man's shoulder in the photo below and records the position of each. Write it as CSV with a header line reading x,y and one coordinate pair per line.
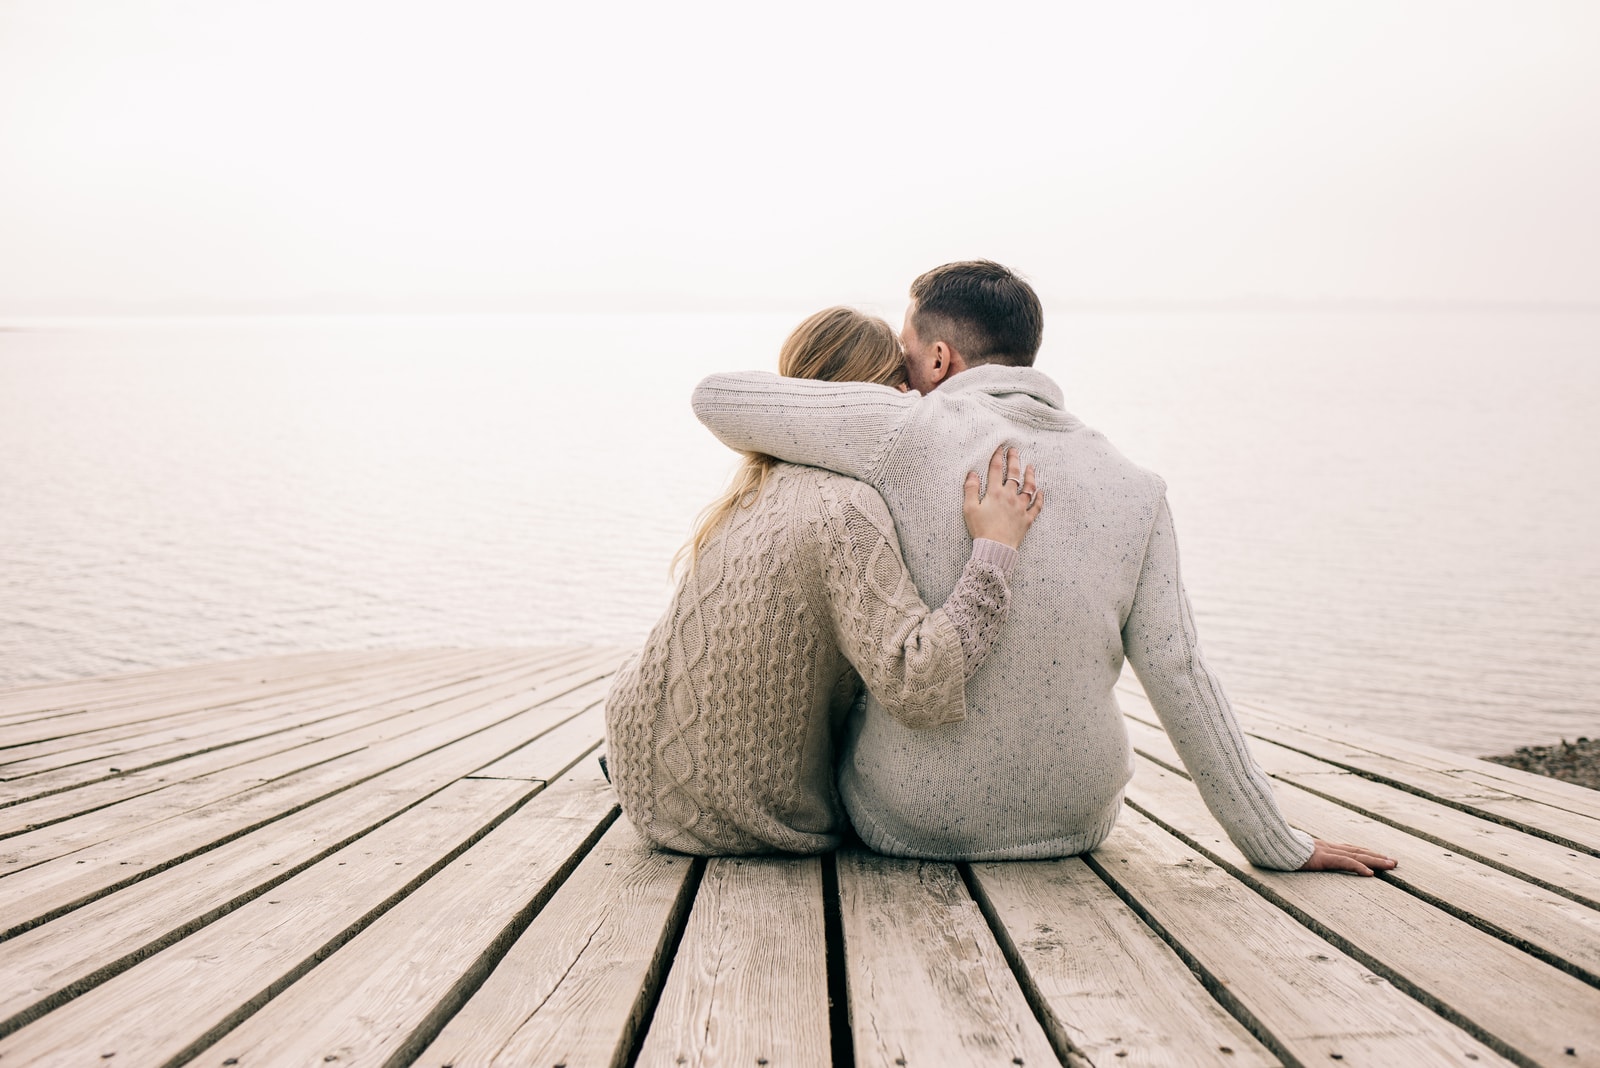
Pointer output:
x,y
847,427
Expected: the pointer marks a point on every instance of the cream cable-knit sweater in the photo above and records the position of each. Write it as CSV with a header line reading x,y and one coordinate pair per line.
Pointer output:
x,y
1038,767
722,732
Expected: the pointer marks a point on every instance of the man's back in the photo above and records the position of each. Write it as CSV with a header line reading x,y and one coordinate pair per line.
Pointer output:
x,y
997,785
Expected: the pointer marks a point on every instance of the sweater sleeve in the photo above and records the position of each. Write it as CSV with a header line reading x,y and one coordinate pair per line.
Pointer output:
x,y
915,660
1160,640
847,427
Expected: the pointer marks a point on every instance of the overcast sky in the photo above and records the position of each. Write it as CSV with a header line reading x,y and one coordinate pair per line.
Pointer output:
x,y
312,153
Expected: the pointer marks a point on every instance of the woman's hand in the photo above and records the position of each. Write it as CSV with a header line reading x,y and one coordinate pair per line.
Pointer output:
x,y
1341,856
1012,502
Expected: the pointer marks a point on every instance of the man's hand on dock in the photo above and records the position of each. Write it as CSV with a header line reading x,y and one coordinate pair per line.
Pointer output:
x,y
1342,856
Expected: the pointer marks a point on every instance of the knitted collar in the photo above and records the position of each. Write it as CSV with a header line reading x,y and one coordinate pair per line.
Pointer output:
x,y
999,379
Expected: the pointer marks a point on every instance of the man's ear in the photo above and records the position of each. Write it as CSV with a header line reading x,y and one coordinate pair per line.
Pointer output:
x,y
946,361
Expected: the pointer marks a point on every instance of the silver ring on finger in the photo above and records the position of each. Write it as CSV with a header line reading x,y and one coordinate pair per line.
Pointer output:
x,y
1013,478
1031,495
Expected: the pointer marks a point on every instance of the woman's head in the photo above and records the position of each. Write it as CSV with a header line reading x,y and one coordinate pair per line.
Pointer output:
x,y
843,345
834,345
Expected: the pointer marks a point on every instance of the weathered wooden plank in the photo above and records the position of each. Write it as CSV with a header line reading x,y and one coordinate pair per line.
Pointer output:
x,y
107,935
139,796
749,985
212,726
389,990
66,882
1303,997
1106,984
1522,912
117,806
927,982
1349,744
1516,1001
1329,740
1554,865
22,701
37,800
197,989
220,704
1458,787
1548,864
573,988
146,703
583,732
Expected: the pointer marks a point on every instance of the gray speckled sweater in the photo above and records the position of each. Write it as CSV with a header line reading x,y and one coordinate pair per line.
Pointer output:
x,y
1038,767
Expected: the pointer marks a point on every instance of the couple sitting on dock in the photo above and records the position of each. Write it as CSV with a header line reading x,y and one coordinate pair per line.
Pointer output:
x,y
988,729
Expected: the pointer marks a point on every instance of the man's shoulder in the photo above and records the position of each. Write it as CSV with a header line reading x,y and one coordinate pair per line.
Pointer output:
x,y
1057,436
1113,464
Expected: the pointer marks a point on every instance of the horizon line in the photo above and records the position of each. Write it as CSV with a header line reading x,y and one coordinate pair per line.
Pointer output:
x,y
40,313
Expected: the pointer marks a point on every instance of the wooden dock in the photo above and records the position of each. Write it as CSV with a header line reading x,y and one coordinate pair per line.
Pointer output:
x,y
412,858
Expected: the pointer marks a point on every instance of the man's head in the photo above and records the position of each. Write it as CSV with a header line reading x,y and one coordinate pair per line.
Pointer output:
x,y
966,314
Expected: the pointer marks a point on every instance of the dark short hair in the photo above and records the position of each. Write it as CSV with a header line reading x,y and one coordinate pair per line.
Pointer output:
x,y
986,312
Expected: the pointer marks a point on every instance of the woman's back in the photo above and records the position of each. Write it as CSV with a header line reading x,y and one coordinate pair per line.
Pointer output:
x,y
721,732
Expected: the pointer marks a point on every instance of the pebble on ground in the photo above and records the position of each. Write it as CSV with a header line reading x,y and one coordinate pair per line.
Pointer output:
x,y
1576,762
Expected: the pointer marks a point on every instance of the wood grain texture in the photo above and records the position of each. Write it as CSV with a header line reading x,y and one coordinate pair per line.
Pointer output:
x,y
364,1004
118,806
131,746
1523,912
553,752
1111,988
154,704
1525,1004
928,983
1460,786
166,1004
295,745
45,697
749,985
260,696
1571,872
1328,738
38,965
75,877
572,989
1309,999
275,926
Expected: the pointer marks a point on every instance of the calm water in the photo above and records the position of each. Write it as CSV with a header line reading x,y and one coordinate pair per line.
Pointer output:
x,y
1390,520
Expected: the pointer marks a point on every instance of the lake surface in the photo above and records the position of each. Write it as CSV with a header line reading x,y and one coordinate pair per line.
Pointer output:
x,y
1386,519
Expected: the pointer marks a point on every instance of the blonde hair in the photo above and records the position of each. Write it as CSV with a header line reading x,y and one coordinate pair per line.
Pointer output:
x,y
834,345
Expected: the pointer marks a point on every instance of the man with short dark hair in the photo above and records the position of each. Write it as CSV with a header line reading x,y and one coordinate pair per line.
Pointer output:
x,y
979,312
1038,766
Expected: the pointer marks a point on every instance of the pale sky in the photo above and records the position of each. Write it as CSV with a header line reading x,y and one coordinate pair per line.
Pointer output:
x,y
317,153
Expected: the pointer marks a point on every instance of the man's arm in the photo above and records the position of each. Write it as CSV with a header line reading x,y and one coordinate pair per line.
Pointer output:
x,y
1160,640
847,427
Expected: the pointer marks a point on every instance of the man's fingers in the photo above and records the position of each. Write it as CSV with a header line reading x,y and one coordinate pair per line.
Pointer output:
x,y
1332,860
1342,856
1374,860
1353,865
1366,856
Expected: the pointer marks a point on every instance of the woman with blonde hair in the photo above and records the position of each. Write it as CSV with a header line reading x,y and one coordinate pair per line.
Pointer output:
x,y
792,593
